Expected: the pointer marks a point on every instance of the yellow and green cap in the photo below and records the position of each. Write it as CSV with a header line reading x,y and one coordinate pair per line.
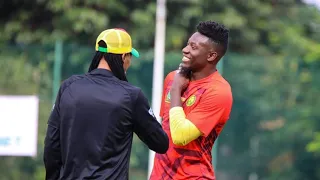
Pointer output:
x,y
118,42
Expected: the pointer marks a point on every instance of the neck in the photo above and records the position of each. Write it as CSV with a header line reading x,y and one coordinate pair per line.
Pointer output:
x,y
103,64
202,74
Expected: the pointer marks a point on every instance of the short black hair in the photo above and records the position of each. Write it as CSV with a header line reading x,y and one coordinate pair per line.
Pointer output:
x,y
216,32
114,61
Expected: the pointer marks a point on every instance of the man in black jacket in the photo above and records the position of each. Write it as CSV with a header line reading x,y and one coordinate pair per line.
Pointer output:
x,y
91,126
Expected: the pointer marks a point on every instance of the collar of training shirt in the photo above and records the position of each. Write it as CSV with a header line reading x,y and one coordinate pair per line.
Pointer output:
x,y
103,72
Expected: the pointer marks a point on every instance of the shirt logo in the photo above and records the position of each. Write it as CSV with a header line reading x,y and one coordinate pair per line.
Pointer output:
x,y
191,100
151,113
167,100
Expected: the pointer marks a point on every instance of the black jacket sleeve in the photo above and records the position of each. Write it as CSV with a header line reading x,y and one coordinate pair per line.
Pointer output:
x,y
146,126
52,152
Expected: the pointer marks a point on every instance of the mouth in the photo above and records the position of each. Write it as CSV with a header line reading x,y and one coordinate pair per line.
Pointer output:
x,y
185,59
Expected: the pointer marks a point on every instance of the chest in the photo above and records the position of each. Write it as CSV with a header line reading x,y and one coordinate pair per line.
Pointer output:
x,y
189,99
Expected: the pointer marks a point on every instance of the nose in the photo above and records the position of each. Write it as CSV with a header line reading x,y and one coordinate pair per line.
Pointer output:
x,y
185,50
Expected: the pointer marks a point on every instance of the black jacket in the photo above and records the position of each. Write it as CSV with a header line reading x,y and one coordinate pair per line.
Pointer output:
x,y
91,127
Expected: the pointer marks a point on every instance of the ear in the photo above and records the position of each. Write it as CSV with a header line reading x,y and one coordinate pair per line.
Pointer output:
x,y
123,57
212,56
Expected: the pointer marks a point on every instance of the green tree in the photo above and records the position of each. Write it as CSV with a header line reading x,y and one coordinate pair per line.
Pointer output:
x,y
272,66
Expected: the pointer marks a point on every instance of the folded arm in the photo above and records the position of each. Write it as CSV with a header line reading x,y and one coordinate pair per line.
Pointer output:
x,y
202,120
183,131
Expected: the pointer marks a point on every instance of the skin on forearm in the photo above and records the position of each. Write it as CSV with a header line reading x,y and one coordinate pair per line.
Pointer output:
x,y
175,97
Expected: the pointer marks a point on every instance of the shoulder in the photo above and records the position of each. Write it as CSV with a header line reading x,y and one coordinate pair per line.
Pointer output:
x,y
128,86
220,90
69,81
169,77
221,85
134,91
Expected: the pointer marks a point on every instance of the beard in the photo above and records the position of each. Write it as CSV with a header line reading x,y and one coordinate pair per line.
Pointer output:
x,y
185,71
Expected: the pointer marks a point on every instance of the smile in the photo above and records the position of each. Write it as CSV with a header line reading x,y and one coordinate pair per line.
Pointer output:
x,y
185,59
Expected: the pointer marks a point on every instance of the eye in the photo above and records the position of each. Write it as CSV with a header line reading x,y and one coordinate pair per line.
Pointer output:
x,y
193,46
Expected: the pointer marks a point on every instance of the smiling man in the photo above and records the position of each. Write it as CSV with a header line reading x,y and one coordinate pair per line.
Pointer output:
x,y
196,104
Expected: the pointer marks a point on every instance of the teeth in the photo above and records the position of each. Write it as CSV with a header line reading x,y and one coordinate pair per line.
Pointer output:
x,y
185,58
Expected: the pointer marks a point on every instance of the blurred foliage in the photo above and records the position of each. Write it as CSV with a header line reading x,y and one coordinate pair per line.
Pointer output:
x,y
273,66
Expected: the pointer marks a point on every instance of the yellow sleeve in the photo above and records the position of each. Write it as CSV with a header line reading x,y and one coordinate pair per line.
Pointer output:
x,y
182,130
